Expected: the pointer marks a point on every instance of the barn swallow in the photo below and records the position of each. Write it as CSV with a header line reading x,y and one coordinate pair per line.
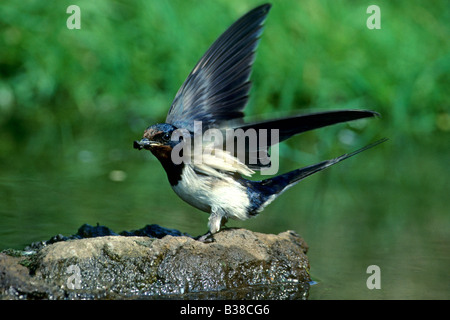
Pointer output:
x,y
215,94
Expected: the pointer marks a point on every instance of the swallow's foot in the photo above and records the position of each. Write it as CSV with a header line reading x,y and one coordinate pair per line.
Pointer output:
x,y
206,238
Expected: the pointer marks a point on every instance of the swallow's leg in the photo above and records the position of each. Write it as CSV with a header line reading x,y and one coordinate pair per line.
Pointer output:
x,y
217,220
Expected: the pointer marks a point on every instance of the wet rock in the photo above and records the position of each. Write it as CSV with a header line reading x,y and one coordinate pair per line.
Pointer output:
x,y
16,282
239,264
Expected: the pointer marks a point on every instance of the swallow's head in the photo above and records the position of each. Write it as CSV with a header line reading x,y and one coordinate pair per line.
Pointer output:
x,y
157,139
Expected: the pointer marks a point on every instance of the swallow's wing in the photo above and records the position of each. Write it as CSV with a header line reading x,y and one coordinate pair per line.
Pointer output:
x,y
287,127
268,133
217,88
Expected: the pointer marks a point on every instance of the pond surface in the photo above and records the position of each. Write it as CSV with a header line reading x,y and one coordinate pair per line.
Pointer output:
x,y
384,207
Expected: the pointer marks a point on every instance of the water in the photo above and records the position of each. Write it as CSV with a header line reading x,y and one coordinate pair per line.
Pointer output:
x,y
368,211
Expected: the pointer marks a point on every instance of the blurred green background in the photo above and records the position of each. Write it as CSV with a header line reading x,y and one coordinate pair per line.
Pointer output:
x,y
73,101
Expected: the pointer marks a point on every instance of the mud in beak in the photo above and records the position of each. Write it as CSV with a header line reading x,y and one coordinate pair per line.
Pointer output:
x,y
143,144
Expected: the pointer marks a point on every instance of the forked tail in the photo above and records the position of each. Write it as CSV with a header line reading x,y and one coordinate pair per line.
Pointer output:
x,y
267,190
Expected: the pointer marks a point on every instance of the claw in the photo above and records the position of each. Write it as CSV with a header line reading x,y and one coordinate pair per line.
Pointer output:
x,y
206,238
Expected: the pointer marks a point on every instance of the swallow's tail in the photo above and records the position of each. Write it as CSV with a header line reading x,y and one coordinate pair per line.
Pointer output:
x,y
265,191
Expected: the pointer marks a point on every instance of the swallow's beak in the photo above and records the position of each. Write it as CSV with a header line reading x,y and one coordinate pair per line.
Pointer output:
x,y
143,144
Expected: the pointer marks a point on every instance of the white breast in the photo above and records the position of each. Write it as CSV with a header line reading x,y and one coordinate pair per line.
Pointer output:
x,y
207,192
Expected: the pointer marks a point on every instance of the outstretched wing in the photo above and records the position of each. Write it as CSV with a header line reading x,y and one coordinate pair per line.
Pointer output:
x,y
287,127
256,138
217,88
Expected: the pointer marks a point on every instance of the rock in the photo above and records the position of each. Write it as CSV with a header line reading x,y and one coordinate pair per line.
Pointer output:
x,y
16,282
239,264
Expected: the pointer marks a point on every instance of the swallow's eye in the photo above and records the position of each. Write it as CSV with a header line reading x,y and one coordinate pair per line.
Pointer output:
x,y
166,137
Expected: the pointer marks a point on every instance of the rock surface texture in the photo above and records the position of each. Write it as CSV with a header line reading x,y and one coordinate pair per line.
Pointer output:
x,y
239,264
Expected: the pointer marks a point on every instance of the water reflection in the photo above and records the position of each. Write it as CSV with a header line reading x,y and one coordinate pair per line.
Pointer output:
x,y
350,221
